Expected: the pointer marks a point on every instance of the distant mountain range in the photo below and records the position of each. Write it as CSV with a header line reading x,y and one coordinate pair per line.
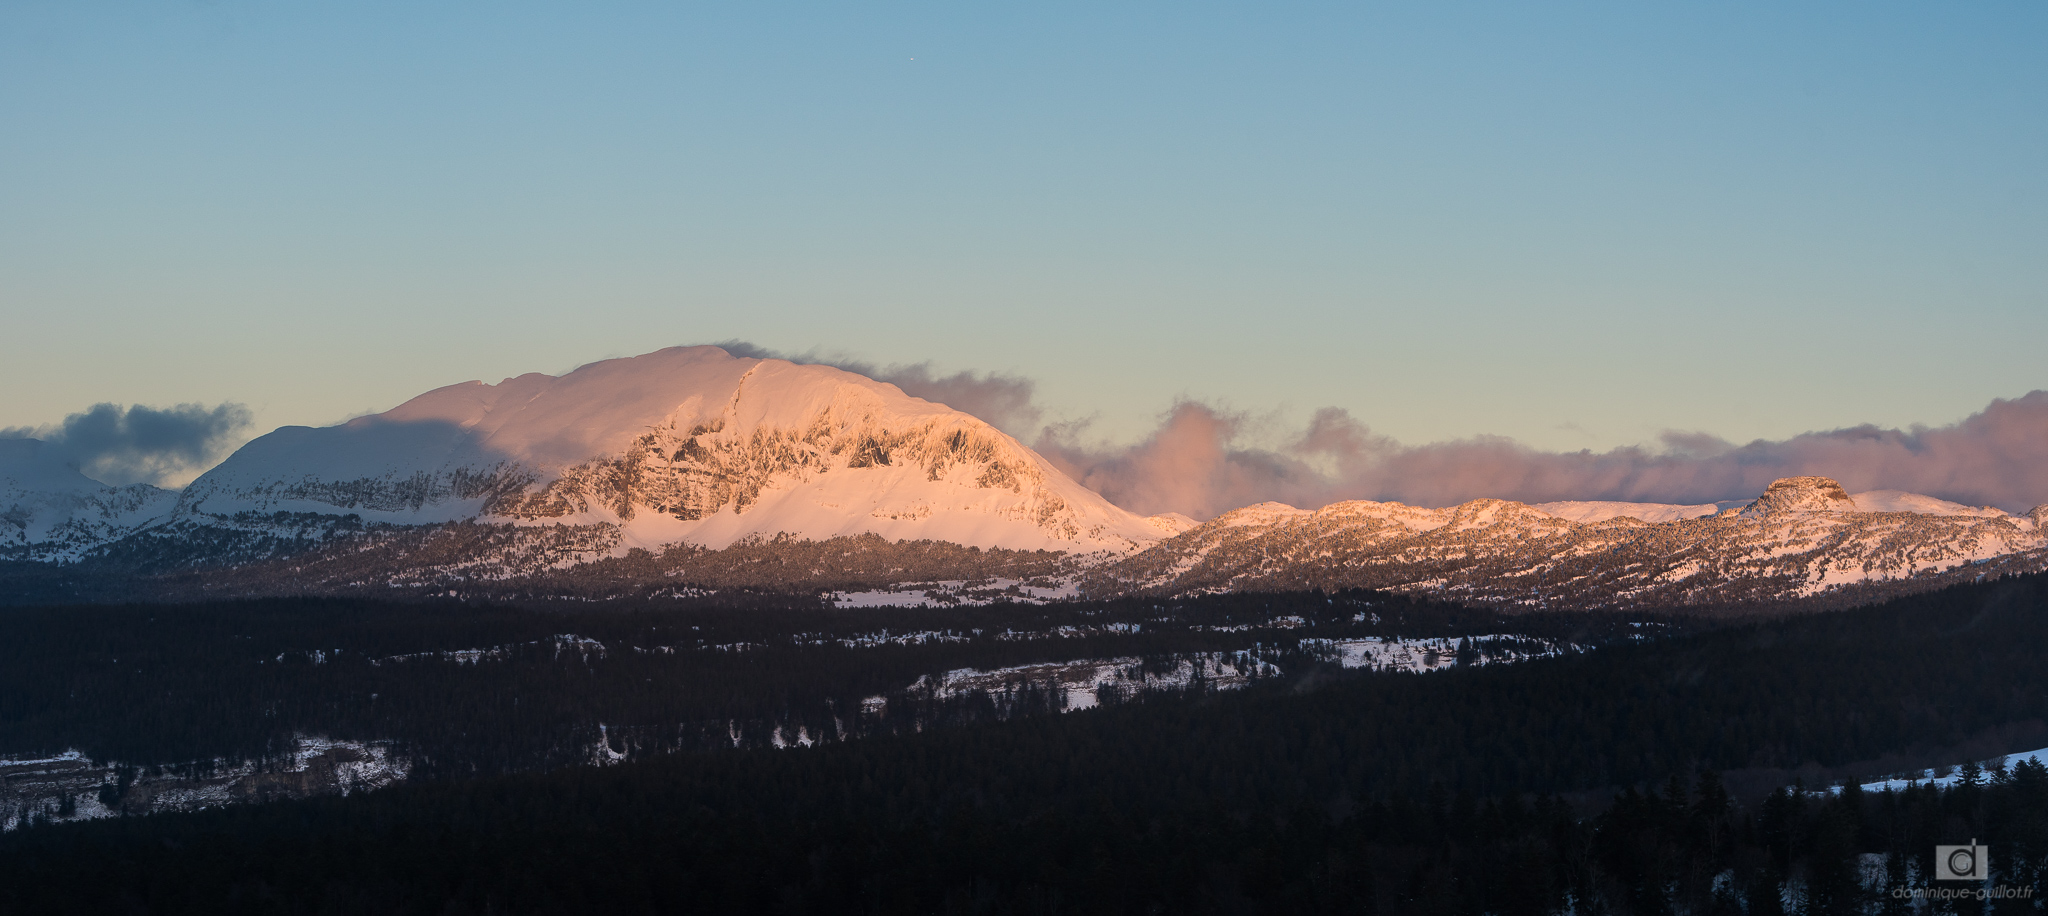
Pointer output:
x,y
689,470
1804,539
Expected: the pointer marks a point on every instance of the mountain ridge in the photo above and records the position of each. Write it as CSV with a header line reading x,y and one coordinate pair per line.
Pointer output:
x,y
1802,539
670,467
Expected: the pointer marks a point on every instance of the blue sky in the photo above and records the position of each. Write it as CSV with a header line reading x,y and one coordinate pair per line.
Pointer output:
x,y
1574,224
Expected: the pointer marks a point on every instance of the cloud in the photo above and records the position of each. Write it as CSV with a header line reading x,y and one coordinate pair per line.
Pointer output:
x,y
138,444
1203,460
1190,464
1003,401
1194,464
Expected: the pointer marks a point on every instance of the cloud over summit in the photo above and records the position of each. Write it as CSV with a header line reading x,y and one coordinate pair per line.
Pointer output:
x,y
1001,400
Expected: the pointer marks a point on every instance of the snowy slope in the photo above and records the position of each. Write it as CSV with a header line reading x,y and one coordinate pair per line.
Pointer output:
x,y
1596,511
681,445
1901,501
1929,776
50,511
1803,538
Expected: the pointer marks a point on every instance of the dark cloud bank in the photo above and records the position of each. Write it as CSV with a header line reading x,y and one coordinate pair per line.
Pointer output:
x,y
117,445
1198,463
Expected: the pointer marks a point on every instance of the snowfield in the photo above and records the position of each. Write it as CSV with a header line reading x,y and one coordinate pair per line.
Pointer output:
x,y
1081,681
39,787
1947,776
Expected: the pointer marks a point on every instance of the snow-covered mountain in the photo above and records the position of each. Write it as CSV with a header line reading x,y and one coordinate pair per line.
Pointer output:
x,y
1804,538
684,445
51,512
690,466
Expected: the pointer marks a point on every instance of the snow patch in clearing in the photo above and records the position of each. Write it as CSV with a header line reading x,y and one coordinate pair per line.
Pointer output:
x,y
1928,777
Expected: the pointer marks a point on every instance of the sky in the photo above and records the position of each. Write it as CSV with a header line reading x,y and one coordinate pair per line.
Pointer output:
x,y
1575,226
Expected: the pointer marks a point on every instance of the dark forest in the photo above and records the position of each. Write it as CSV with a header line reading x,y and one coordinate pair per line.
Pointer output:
x,y
1663,766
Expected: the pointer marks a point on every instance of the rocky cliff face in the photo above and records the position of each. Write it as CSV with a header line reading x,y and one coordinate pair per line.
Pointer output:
x,y
1789,495
696,473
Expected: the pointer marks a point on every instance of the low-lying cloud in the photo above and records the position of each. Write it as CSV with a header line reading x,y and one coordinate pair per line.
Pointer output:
x,y
155,445
1193,464
1203,460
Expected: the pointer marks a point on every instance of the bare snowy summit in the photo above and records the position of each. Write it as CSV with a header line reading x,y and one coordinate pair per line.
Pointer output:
x,y
1902,501
1589,512
684,445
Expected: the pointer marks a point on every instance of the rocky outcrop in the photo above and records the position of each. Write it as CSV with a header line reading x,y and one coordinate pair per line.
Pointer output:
x,y
695,473
1788,495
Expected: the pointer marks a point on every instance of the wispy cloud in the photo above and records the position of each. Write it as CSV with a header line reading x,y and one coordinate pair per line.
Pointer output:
x,y
138,444
999,399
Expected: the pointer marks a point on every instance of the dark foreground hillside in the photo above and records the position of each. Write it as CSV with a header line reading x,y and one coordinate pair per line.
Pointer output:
x,y
469,688
758,837
1491,789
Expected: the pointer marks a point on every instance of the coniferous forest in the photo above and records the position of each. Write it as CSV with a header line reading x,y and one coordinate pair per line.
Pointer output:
x,y
1686,764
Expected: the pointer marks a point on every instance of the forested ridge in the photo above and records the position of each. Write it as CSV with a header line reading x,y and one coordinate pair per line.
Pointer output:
x,y
1485,789
160,683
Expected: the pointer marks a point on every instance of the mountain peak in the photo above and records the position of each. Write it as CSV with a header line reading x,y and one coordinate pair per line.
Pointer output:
x,y
30,464
1800,494
687,444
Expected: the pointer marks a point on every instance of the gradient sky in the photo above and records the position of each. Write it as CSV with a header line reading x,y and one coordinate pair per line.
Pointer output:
x,y
1573,224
